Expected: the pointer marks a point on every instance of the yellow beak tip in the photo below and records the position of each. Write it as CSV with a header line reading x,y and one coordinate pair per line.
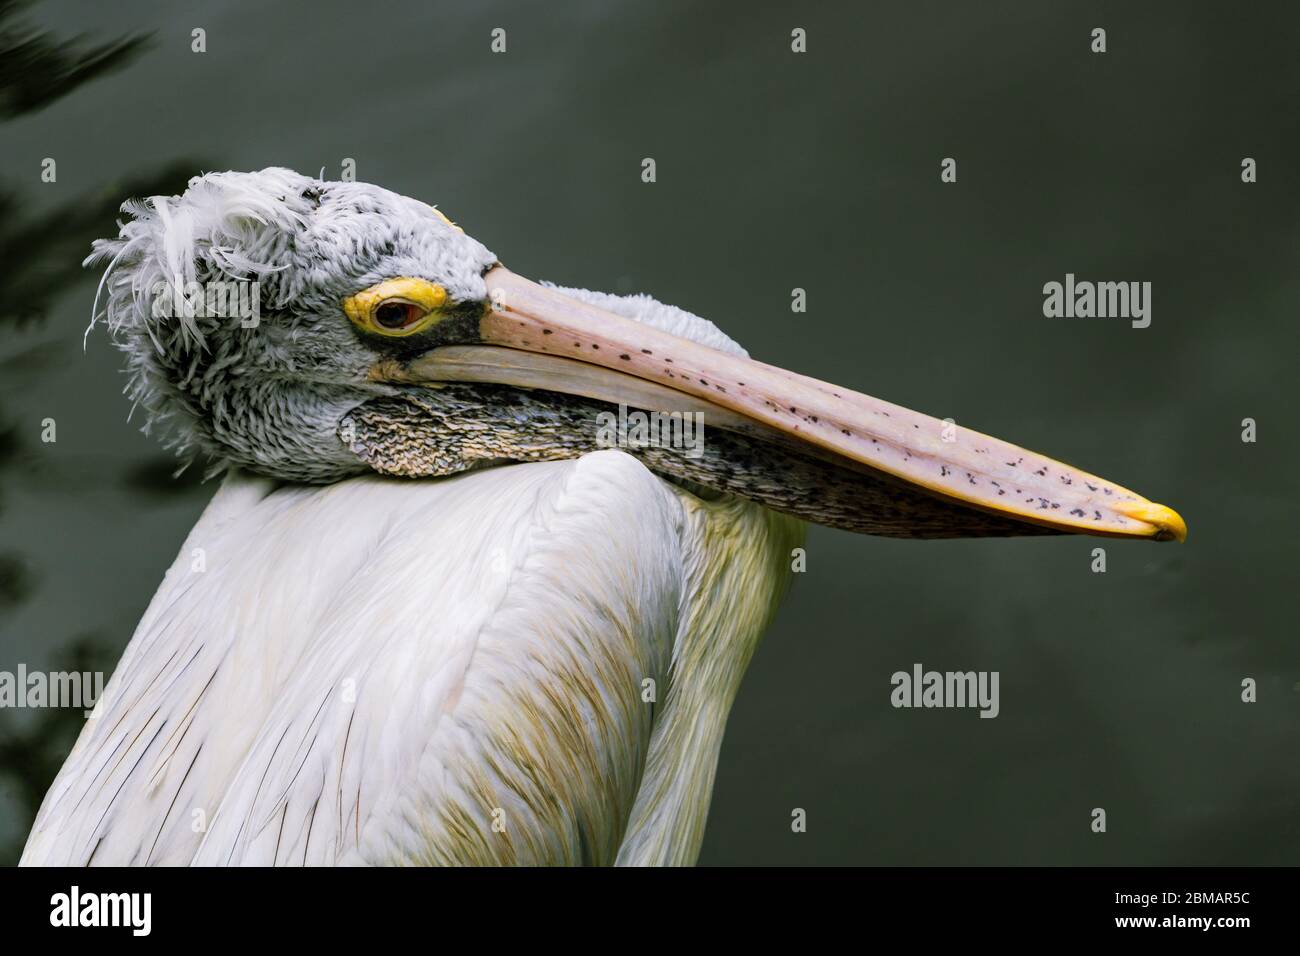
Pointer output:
x,y
1167,523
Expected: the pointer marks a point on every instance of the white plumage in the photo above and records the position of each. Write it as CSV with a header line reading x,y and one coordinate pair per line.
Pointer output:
x,y
379,671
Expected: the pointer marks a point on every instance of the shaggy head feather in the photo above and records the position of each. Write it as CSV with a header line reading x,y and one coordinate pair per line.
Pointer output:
x,y
267,397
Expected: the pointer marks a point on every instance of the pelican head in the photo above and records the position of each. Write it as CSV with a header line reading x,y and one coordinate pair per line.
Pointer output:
x,y
357,330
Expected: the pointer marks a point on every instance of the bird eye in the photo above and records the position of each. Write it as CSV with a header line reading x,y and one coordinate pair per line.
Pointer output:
x,y
398,306
398,315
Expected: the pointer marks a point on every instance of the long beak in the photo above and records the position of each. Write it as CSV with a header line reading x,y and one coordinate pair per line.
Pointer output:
x,y
566,345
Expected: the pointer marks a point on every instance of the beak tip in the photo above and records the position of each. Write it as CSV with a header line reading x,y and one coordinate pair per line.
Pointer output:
x,y
1174,530
1167,524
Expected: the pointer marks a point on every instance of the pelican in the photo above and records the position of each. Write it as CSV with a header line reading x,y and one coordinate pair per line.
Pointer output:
x,y
431,615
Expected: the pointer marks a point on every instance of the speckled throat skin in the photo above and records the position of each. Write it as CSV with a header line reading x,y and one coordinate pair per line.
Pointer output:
x,y
426,432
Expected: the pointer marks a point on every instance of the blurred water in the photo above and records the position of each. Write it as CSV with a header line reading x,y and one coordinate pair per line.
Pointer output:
x,y
818,171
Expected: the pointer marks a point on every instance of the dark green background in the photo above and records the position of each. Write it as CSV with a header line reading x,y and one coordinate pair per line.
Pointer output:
x,y
775,170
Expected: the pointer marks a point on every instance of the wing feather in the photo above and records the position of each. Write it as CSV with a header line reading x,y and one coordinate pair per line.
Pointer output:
x,y
383,671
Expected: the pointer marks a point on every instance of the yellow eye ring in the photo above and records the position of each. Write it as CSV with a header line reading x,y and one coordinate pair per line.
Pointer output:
x,y
396,307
